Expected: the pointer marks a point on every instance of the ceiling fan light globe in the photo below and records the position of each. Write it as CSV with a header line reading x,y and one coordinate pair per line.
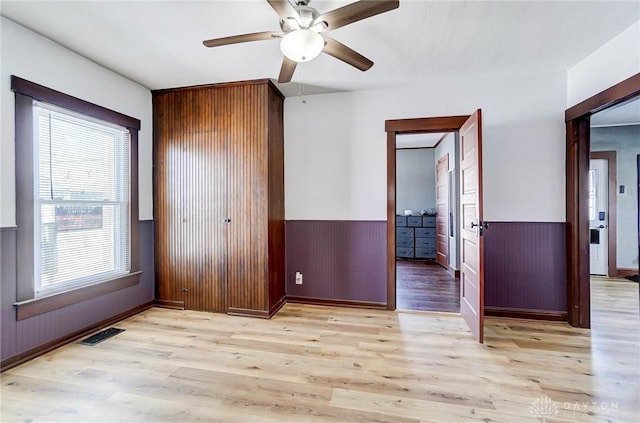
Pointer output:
x,y
302,45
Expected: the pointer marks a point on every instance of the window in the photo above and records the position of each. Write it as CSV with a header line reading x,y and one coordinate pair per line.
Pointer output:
x,y
76,199
81,226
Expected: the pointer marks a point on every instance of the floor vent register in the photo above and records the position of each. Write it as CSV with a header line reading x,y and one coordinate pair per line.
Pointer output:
x,y
101,336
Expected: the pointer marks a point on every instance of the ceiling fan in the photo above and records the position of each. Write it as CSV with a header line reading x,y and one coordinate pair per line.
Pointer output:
x,y
304,30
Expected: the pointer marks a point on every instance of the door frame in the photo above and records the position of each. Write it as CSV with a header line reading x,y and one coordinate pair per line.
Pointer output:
x,y
396,127
577,119
612,201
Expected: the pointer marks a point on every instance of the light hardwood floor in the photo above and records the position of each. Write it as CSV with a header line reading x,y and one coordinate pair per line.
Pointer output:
x,y
327,364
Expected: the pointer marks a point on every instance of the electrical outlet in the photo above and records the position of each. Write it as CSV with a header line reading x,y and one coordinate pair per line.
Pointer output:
x,y
298,278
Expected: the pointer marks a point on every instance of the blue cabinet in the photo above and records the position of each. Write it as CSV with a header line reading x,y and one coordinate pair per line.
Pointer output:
x,y
416,237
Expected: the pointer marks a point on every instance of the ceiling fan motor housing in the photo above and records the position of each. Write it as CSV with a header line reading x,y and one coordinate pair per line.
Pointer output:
x,y
308,16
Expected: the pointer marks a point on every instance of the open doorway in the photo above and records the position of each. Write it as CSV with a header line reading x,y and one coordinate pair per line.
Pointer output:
x,y
614,142
470,226
585,212
614,146
426,240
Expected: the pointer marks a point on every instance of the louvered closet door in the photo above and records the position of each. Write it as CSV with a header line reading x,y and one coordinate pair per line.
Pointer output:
x,y
190,198
247,265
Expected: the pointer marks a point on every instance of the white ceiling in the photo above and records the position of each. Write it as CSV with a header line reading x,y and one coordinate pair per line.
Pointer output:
x,y
624,114
418,140
158,43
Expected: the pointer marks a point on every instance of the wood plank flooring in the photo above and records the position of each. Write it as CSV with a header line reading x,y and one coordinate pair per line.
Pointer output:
x,y
329,364
425,286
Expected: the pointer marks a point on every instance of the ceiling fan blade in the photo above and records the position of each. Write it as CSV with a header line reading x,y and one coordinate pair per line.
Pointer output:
x,y
287,69
235,39
355,12
284,9
340,51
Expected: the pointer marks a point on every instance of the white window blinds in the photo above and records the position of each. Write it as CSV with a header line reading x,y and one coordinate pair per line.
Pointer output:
x,y
81,214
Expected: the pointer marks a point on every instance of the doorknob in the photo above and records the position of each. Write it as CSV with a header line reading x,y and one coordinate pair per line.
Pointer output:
x,y
484,225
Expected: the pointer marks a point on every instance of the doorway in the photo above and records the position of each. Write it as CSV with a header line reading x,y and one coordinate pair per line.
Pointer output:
x,y
600,230
471,223
578,119
426,256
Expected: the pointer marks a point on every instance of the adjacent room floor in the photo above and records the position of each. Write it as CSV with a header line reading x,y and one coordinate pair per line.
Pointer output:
x,y
425,286
330,364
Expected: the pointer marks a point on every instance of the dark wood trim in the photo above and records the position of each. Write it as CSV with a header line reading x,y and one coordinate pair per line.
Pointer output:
x,y
134,215
57,343
622,272
25,185
521,313
246,312
337,303
577,193
612,201
453,272
425,125
406,126
619,93
577,171
277,306
36,306
223,85
47,95
391,220
172,305
415,148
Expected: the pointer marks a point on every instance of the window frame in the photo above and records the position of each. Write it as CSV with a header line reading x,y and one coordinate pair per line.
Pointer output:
x,y
26,93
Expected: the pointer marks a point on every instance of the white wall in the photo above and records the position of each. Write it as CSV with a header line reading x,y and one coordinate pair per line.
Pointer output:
x,y
614,62
30,56
448,146
335,146
415,180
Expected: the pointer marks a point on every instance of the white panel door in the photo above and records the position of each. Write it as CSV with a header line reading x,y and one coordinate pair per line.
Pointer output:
x,y
599,216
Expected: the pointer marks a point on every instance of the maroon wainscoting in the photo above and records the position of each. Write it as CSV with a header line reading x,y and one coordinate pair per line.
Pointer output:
x,y
525,266
21,336
339,260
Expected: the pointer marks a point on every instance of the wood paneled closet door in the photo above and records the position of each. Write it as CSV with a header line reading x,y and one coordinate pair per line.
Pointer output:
x,y
219,198
190,199
255,278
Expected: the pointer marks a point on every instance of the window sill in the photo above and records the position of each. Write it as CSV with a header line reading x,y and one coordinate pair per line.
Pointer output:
x,y
36,306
